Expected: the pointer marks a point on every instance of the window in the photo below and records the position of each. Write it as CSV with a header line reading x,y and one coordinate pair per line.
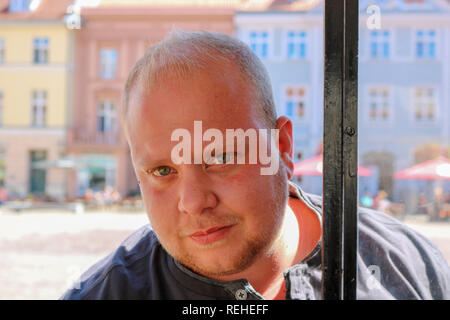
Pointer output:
x,y
379,104
106,117
19,5
259,42
38,176
380,44
1,108
108,63
295,100
40,50
296,44
2,50
425,44
424,105
38,108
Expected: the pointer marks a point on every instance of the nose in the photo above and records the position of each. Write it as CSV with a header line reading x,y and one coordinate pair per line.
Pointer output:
x,y
195,195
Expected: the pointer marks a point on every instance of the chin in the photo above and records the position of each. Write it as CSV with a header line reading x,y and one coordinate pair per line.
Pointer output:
x,y
213,269
222,261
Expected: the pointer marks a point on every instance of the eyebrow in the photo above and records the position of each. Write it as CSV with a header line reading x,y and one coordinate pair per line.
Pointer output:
x,y
146,162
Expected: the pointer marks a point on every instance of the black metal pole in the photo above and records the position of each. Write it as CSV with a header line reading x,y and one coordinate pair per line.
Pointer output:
x,y
332,264
339,236
350,147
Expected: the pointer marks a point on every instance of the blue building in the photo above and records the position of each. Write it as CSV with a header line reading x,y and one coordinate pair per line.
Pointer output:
x,y
404,79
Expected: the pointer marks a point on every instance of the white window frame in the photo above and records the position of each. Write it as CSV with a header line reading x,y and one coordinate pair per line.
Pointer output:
x,y
41,46
415,40
297,40
412,104
270,44
108,63
368,105
109,114
305,99
390,43
38,108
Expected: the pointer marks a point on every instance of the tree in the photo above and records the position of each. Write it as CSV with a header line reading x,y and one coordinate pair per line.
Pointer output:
x,y
430,151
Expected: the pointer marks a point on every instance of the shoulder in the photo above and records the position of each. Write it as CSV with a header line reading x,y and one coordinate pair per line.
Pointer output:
x,y
410,265
123,273
378,227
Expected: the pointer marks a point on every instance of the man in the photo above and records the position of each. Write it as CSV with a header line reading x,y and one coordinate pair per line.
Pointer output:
x,y
221,229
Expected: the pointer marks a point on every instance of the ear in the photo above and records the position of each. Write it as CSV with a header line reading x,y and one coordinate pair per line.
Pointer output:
x,y
285,144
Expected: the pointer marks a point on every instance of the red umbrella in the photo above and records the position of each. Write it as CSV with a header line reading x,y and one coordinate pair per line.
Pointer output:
x,y
313,167
436,169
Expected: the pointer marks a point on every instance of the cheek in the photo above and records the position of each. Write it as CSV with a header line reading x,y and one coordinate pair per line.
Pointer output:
x,y
251,194
239,185
160,209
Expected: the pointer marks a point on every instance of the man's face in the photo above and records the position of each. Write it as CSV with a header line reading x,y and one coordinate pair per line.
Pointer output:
x,y
216,219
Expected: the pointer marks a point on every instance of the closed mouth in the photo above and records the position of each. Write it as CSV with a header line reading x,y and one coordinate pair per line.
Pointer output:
x,y
208,231
211,235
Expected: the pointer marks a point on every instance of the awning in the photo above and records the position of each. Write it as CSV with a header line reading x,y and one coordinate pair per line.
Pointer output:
x,y
436,169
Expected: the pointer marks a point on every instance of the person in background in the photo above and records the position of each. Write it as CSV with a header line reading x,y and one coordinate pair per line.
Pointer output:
x,y
367,200
3,197
383,203
437,212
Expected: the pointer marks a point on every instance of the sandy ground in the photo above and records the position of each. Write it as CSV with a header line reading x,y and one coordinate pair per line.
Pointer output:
x,y
43,253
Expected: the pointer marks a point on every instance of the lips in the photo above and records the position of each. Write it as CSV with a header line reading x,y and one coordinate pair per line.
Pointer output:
x,y
211,235
208,231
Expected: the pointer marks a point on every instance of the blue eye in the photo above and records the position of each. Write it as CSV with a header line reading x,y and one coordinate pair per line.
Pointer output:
x,y
162,171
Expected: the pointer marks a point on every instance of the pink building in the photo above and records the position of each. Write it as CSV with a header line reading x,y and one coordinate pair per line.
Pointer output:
x,y
112,37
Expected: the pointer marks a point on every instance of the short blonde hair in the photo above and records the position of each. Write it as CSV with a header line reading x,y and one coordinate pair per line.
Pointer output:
x,y
181,52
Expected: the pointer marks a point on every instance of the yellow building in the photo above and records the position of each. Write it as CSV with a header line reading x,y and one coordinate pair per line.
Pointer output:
x,y
35,95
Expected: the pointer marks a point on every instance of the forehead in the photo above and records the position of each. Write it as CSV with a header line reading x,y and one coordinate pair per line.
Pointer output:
x,y
220,97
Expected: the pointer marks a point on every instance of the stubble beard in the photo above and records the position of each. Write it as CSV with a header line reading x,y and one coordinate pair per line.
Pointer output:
x,y
241,260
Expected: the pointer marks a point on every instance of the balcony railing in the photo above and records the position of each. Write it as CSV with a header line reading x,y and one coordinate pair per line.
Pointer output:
x,y
87,138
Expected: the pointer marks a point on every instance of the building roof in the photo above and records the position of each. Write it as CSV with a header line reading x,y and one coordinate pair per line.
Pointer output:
x,y
50,10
